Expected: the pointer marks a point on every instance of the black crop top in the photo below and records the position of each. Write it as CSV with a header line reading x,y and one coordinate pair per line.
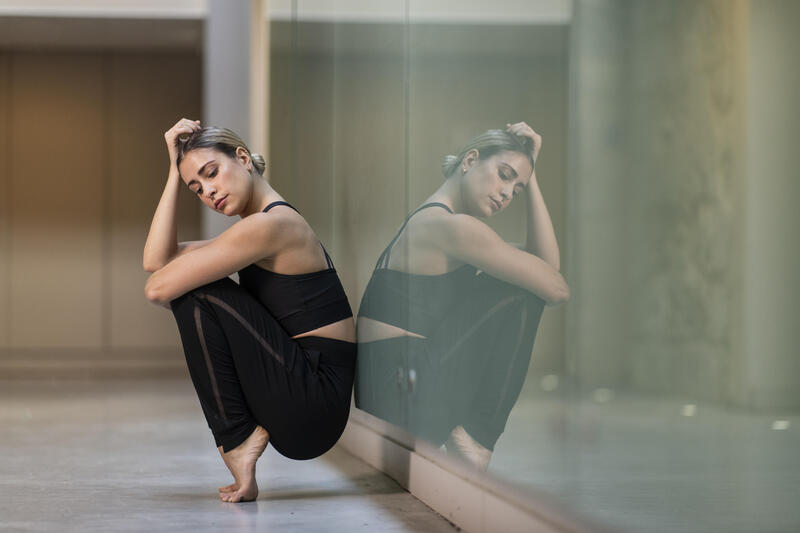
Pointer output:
x,y
414,302
300,302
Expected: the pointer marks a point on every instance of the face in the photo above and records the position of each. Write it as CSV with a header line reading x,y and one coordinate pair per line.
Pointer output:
x,y
492,183
222,183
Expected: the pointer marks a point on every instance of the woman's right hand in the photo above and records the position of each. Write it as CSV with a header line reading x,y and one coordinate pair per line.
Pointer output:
x,y
184,125
521,129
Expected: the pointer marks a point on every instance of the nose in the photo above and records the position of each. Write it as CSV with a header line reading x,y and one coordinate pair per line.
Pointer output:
x,y
506,193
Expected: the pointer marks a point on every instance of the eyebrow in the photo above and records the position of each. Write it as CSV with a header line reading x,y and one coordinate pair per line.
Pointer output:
x,y
199,173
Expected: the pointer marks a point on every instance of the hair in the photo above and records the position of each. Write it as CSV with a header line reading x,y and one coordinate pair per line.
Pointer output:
x,y
488,144
221,139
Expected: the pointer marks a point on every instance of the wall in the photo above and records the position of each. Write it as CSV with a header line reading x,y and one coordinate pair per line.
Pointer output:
x,y
771,373
85,165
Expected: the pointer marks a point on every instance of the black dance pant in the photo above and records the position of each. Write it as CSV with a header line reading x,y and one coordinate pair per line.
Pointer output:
x,y
469,372
248,371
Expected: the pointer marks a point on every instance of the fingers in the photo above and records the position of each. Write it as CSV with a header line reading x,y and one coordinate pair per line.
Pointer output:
x,y
184,125
521,129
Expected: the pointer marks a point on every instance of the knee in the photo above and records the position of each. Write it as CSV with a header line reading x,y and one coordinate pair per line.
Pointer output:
x,y
216,288
198,294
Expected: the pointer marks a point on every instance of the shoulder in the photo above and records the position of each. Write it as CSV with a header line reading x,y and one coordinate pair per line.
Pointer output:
x,y
447,229
274,227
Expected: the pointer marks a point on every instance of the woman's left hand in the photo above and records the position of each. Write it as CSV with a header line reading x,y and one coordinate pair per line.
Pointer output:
x,y
523,130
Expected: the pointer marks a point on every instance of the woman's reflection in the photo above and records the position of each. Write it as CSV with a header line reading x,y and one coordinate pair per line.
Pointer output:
x,y
447,322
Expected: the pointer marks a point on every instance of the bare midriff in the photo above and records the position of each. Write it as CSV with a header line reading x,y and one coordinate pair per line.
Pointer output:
x,y
374,330
343,330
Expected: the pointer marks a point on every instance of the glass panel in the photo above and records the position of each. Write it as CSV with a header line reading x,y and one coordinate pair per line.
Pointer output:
x,y
663,395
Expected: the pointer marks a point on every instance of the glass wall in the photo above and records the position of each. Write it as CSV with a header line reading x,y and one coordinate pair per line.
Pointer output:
x,y
662,390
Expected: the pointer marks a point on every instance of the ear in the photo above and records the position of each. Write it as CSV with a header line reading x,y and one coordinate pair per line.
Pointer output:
x,y
243,157
470,158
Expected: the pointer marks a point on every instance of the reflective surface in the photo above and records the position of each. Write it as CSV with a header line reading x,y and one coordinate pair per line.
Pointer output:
x,y
648,399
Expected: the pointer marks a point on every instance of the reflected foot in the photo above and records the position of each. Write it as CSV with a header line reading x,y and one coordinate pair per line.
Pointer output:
x,y
462,446
241,461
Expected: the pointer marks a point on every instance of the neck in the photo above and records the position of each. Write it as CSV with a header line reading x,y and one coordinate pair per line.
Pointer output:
x,y
262,194
450,194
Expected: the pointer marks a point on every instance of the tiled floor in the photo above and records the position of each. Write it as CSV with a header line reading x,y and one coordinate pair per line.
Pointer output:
x,y
138,456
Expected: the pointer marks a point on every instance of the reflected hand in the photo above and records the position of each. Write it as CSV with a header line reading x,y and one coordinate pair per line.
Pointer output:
x,y
521,129
184,125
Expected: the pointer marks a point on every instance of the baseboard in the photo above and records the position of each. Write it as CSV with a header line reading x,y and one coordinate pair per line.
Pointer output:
x,y
91,363
473,501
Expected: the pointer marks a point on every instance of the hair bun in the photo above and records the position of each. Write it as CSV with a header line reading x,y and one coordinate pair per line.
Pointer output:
x,y
449,165
259,163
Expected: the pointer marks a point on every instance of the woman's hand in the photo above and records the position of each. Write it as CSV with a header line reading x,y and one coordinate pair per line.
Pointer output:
x,y
184,125
523,130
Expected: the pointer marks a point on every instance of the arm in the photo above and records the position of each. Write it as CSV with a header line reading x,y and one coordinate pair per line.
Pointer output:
x,y
540,237
249,240
162,240
471,241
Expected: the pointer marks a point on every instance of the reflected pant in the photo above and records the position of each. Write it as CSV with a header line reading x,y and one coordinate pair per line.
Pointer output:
x,y
248,371
470,371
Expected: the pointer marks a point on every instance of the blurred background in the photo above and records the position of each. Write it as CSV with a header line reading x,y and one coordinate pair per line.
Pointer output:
x,y
663,396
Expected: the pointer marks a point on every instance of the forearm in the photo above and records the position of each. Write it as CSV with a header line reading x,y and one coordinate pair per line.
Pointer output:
x,y
162,240
541,238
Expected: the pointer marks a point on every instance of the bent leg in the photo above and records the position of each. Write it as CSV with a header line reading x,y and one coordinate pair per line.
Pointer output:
x,y
210,361
474,366
258,369
240,359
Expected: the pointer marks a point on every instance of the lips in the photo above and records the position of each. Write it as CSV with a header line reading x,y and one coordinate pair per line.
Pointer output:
x,y
218,202
497,204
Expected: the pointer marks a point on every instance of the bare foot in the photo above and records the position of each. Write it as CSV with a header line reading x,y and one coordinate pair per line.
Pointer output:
x,y
463,446
241,461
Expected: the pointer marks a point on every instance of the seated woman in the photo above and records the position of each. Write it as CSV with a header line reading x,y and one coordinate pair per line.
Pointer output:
x,y
447,322
272,358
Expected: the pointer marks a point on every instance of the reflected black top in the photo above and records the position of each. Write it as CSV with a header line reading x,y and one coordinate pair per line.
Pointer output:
x,y
300,302
414,302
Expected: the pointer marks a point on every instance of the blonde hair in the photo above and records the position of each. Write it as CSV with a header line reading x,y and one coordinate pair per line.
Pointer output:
x,y
488,144
221,139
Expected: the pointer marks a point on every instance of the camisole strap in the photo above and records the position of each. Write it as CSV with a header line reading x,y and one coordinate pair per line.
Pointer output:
x,y
280,202
383,260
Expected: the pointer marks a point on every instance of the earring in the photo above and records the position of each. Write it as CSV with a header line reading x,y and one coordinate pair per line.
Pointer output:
x,y
463,170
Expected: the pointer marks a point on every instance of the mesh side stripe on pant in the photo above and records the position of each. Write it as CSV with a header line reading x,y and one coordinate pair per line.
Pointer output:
x,y
199,324
246,324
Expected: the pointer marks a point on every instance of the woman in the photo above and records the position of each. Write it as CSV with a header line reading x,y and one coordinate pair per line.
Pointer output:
x,y
272,358
447,322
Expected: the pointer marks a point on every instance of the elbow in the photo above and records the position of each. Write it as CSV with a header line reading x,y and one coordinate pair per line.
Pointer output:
x,y
151,265
153,293
561,293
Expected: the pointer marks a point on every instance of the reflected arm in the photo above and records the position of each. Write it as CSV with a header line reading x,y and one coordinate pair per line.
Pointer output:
x,y
472,241
541,238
